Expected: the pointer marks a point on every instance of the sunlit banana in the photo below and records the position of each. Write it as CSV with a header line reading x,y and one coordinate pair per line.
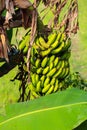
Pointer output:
x,y
46,88
45,70
56,87
39,70
35,94
46,82
38,86
24,42
45,52
50,90
38,44
42,79
51,38
58,72
43,43
51,65
51,72
37,63
44,62
31,87
56,61
52,82
59,49
33,79
51,59
37,78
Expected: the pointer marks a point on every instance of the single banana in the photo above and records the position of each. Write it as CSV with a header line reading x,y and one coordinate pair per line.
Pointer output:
x,y
45,70
52,38
62,64
58,50
37,78
43,43
54,45
46,88
51,65
39,70
63,37
50,90
24,42
56,61
33,79
44,62
58,72
38,86
51,59
45,52
32,60
67,70
66,63
62,75
56,87
46,82
37,63
42,79
52,82
51,72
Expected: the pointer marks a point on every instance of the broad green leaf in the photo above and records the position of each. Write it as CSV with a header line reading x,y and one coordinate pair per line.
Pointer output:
x,y
59,111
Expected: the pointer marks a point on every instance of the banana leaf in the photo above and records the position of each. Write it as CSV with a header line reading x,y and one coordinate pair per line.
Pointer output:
x,y
58,111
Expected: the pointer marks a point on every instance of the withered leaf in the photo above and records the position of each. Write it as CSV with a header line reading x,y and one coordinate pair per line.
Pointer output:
x,y
22,3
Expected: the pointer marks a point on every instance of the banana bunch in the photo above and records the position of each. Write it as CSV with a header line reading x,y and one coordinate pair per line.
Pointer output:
x,y
49,64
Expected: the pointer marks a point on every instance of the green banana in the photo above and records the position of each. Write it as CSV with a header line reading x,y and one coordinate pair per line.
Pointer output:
x,y
31,87
54,45
62,64
38,44
37,63
56,87
43,43
45,70
51,72
32,60
52,82
37,78
33,79
31,96
51,59
33,69
67,44
59,49
56,75
56,61
66,63
42,79
35,94
25,50
67,70
39,70
61,84
45,52
62,75
38,86
66,55
63,37
46,82
44,62
51,65
46,88
50,90
52,38
24,42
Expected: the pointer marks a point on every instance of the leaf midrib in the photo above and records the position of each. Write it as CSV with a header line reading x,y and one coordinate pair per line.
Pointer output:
x,y
40,110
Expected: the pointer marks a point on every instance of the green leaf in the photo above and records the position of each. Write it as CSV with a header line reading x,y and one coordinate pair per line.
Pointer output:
x,y
59,111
